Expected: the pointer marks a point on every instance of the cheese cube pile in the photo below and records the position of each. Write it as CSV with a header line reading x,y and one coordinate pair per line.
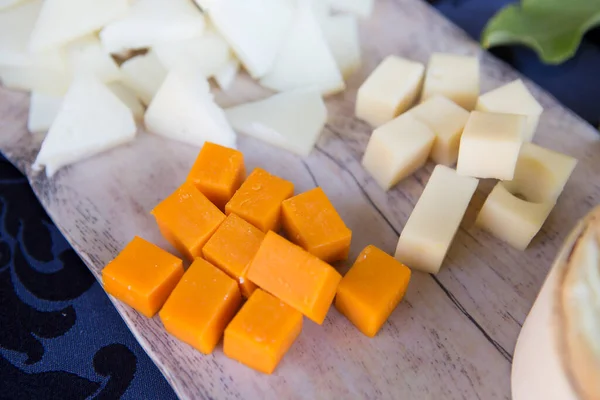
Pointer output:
x,y
238,254
491,142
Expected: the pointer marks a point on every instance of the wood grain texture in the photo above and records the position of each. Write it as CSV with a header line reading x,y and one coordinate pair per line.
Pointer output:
x,y
453,335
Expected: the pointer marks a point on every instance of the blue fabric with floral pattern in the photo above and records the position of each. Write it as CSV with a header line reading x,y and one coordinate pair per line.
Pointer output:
x,y
60,337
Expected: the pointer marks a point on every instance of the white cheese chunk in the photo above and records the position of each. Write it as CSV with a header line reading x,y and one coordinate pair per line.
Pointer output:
x,y
447,120
16,25
8,3
151,22
432,225
541,174
91,120
516,210
21,69
511,219
304,59
226,74
255,29
86,55
43,109
341,33
513,98
361,8
453,76
144,74
128,97
62,21
207,53
490,145
290,120
397,149
390,90
183,109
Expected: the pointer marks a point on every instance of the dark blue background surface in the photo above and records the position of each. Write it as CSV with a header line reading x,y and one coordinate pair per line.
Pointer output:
x,y
61,338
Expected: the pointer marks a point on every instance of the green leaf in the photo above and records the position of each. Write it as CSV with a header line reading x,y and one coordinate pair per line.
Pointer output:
x,y
553,28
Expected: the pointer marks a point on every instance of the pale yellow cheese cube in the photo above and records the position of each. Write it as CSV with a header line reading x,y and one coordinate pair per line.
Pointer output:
x,y
447,120
397,149
511,219
389,91
513,98
490,145
516,210
453,76
541,174
431,227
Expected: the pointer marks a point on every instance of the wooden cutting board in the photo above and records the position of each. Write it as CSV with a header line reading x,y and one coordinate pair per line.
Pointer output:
x,y
453,335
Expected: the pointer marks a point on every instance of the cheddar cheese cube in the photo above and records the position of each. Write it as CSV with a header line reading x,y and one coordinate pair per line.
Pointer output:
x,y
262,332
142,276
201,306
311,221
372,289
295,276
218,172
187,219
258,200
232,247
453,76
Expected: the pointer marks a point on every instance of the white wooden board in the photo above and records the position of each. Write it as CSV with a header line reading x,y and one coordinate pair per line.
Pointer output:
x,y
453,335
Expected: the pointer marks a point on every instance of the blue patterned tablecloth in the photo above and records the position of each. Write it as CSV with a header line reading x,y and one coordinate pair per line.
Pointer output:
x,y
60,337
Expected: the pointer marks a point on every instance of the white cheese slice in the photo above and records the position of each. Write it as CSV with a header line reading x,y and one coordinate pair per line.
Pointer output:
x,y
255,29
304,59
91,120
8,3
43,109
225,76
361,8
16,25
341,33
86,55
183,109
397,149
144,74
128,97
151,22
290,120
453,76
447,120
490,145
513,98
390,90
432,225
62,21
207,53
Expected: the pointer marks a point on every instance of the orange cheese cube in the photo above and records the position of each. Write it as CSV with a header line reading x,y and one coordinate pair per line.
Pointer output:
x,y
258,200
232,247
201,306
372,289
218,172
262,332
295,276
187,219
310,220
142,276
